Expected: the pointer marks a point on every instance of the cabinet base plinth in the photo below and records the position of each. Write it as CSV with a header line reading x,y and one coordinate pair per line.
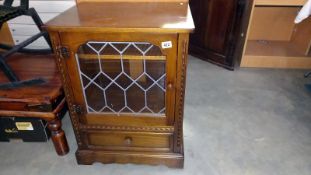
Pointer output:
x,y
88,157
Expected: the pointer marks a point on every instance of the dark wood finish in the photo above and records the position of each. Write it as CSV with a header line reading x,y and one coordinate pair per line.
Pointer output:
x,y
131,141
39,101
125,137
28,67
88,157
58,136
220,30
47,116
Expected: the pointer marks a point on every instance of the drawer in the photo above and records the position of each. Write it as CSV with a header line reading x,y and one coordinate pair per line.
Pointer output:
x,y
131,141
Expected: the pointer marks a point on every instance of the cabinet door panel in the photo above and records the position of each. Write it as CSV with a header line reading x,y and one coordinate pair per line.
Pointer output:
x,y
124,75
219,25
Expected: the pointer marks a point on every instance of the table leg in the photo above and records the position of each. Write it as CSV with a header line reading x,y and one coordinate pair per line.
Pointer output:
x,y
58,137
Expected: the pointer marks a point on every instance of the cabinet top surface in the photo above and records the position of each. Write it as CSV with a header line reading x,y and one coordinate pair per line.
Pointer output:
x,y
125,17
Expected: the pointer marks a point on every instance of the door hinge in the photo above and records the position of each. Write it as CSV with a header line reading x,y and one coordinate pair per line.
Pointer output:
x,y
63,52
77,109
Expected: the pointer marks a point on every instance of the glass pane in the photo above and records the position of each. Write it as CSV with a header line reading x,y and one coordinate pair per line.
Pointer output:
x,y
115,98
94,97
123,77
135,98
154,96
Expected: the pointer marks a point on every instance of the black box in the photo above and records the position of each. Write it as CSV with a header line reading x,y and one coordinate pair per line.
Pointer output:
x,y
26,129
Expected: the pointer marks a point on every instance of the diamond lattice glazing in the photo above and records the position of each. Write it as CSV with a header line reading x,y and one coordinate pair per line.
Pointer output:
x,y
109,84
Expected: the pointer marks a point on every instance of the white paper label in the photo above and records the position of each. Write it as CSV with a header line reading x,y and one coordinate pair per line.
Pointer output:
x,y
166,44
24,126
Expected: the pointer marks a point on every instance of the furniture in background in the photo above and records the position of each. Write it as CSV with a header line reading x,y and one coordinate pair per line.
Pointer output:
x,y
5,36
123,67
45,101
274,40
220,30
23,27
33,97
8,12
253,33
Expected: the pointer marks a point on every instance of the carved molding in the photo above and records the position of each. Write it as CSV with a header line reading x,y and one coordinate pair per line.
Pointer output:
x,y
73,115
181,95
129,128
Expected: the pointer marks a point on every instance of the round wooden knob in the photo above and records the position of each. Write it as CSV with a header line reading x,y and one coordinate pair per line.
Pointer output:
x,y
169,85
127,140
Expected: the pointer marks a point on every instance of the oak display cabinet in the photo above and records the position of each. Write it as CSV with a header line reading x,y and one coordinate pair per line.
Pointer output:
x,y
123,67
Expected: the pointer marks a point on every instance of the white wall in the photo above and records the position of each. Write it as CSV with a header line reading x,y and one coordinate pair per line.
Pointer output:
x,y
23,27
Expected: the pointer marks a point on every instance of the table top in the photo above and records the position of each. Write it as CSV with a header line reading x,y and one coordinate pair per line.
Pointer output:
x,y
27,67
125,16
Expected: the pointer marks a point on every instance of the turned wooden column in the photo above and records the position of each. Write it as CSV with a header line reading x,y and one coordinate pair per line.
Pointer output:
x,y
58,136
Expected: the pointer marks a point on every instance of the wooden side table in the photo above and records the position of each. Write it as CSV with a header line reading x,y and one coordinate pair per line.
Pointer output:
x,y
44,101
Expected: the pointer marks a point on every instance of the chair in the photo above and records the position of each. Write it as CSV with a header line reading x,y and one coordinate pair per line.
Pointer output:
x,y
8,12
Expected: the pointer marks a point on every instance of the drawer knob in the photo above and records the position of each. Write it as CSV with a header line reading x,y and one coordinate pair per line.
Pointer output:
x,y
170,85
128,140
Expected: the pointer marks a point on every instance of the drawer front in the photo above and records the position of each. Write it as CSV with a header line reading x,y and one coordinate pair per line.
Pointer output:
x,y
131,141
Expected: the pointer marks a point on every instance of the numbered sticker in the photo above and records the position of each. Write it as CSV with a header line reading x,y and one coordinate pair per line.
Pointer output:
x,y
166,44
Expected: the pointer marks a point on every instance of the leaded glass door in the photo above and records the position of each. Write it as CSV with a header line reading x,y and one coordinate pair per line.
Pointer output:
x,y
123,79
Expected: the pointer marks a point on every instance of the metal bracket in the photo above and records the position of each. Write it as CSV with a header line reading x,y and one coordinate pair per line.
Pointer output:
x,y
63,52
77,109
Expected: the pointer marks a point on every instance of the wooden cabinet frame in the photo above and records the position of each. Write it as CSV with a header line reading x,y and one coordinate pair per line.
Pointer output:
x,y
121,137
177,57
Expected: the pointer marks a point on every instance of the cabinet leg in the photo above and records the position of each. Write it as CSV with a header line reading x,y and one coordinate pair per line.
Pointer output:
x,y
58,137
